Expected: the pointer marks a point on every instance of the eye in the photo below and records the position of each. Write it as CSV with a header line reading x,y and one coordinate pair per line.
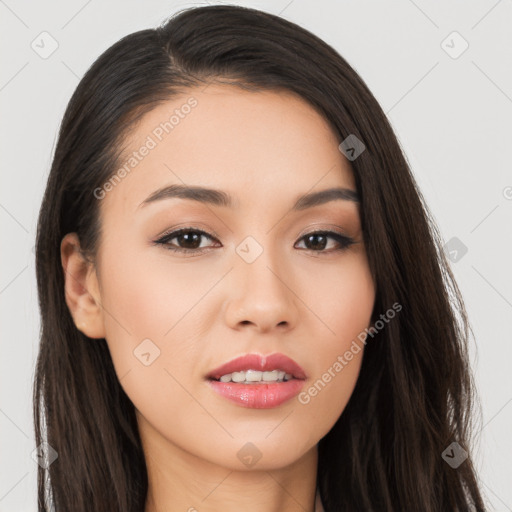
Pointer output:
x,y
189,241
318,240
189,237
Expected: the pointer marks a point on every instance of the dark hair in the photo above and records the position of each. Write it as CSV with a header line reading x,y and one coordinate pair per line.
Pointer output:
x,y
415,392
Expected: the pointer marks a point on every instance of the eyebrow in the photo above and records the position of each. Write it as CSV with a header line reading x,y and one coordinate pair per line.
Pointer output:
x,y
220,198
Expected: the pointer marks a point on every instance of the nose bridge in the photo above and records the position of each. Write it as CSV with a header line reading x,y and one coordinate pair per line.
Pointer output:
x,y
264,276
259,266
260,293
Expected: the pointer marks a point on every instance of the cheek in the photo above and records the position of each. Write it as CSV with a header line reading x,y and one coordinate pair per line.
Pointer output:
x,y
151,297
152,311
342,299
345,307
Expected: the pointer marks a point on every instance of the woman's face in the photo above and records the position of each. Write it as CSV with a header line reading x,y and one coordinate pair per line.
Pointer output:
x,y
251,283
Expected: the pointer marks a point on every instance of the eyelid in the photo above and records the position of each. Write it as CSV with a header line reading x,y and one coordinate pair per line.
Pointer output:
x,y
324,227
206,231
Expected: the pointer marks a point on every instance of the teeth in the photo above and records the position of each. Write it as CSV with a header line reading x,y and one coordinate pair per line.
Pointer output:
x,y
238,376
252,376
271,376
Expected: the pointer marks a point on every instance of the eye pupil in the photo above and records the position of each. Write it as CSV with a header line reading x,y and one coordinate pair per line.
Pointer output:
x,y
316,245
186,238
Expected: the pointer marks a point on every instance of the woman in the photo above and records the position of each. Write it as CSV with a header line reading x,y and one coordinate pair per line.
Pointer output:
x,y
244,299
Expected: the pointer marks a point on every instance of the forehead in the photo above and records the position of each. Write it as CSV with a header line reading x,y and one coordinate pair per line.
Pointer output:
x,y
254,145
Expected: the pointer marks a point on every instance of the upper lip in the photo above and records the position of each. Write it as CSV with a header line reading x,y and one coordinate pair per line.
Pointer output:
x,y
259,362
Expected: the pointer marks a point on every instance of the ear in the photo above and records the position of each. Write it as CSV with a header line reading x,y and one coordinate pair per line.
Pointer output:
x,y
81,288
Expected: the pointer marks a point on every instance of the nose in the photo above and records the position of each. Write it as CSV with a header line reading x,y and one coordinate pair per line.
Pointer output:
x,y
261,296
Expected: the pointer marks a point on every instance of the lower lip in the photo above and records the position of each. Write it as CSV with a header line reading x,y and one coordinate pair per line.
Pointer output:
x,y
258,396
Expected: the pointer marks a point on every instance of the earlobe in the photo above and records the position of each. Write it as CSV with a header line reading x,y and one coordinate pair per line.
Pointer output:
x,y
81,288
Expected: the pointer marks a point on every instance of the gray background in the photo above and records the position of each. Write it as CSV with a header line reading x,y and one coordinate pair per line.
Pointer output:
x,y
452,114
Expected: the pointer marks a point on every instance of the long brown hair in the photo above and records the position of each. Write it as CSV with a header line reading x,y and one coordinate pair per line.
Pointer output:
x,y
415,393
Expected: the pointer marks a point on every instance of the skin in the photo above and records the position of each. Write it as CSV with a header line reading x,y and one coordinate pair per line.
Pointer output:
x,y
265,149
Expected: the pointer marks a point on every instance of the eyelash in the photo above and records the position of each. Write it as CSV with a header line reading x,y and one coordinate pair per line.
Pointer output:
x,y
343,240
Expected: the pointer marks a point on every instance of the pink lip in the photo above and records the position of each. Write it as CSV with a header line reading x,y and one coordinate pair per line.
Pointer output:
x,y
258,396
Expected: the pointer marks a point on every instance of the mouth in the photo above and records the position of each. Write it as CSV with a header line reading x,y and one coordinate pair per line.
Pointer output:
x,y
257,381
255,368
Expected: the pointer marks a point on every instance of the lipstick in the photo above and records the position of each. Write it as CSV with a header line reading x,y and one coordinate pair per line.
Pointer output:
x,y
257,381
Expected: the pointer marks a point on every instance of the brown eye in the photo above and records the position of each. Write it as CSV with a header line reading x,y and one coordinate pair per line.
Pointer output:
x,y
317,240
188,240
